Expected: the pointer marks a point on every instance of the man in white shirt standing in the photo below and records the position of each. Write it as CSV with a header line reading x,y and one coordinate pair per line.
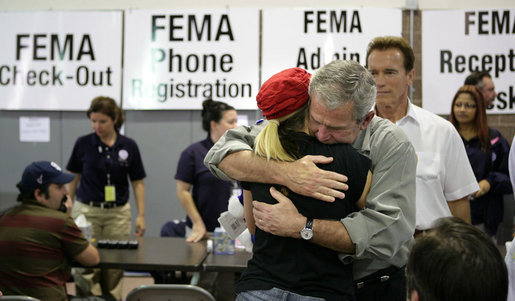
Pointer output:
x,y
444,176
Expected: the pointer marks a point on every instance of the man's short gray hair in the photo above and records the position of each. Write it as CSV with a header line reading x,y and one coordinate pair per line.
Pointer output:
x,y
343,82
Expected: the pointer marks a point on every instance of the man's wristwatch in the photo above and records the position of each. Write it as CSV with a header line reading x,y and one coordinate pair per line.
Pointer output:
x,y
307,232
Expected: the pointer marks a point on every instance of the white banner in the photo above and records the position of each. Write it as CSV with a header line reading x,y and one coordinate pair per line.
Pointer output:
x,y
310,38
456,43
175,59
59,60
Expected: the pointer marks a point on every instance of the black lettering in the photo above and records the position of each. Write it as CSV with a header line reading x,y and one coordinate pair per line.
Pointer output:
x,y
356,23
86,48
473,59
301,59
37,46
320,21
41,80
500,23
469,21
226,59
194,61
445,60
82,75
19,45
459,64
224,23
158,56
56,76
56,47
193,24
487,63
174,27
341,22
4,82
155,27
31,78
483,22
501,102
161,92
179,61
307,19
180,90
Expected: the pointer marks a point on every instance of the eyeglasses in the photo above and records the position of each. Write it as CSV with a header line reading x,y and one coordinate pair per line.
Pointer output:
x,y
466,105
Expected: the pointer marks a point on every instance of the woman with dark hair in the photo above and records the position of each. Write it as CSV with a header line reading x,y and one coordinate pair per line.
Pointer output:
x,y
487,151
103,162
202,195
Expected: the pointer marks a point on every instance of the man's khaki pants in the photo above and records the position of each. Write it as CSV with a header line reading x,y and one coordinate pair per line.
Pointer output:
x,y
111,222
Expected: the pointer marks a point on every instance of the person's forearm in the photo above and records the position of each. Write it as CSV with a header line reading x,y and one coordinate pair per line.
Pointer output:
x,y
246,166
333,235
188,204
461,208
139,195
72,186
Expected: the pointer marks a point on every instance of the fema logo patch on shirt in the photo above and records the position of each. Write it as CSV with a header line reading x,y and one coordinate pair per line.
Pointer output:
x,y
123,155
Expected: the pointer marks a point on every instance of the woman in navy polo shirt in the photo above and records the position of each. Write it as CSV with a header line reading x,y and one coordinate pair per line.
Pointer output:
x,y
202,195
103,161
487,151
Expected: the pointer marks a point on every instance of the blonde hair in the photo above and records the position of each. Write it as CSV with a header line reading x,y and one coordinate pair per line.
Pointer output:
x,y
268,142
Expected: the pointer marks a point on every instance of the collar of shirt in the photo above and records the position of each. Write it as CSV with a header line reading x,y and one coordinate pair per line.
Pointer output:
x,y
411,115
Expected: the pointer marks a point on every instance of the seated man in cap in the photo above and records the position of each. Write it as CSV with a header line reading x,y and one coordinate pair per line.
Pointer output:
x,y
38,238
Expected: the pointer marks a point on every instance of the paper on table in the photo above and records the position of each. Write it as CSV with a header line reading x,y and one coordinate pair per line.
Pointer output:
x,y
233,226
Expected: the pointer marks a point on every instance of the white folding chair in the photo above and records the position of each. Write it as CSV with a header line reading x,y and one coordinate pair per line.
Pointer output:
x,y
165,292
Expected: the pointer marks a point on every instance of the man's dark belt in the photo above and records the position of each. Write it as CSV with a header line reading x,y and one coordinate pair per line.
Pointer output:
x,y
103,205
377,277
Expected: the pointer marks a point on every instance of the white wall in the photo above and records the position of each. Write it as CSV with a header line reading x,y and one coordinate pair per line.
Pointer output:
x,y
126,4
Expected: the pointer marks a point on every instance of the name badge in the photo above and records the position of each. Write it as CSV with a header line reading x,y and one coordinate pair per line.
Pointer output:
x,y
110,193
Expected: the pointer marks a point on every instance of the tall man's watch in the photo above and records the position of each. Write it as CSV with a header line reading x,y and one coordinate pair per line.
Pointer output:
x,y
307,232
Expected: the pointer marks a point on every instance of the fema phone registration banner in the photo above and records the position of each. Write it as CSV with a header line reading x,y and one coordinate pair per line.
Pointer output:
x,y
175,59
458,42
59,60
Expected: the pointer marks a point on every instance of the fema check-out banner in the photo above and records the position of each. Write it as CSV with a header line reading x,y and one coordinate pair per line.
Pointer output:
x,y
312,37
456,43
175,59
59,60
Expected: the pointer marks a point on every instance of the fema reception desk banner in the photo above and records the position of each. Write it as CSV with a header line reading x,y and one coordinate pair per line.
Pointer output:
x,y
456,43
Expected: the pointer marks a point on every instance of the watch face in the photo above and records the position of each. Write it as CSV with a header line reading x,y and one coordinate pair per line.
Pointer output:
x,y
306,233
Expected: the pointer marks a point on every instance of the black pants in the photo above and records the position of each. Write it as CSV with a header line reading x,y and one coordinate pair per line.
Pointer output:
x,y
393,289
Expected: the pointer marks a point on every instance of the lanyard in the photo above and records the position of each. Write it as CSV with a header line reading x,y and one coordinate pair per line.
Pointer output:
x,y
107,161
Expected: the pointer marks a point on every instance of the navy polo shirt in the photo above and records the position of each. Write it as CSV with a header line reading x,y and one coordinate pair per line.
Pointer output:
x,y
94,160
210,194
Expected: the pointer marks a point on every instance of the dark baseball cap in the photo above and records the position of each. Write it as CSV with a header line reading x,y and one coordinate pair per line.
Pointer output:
x,y
43,172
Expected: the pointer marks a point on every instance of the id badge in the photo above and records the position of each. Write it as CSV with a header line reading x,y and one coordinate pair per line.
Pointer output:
x,y
110,193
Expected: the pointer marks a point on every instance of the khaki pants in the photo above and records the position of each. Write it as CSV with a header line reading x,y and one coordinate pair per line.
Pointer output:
x,y
110,222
